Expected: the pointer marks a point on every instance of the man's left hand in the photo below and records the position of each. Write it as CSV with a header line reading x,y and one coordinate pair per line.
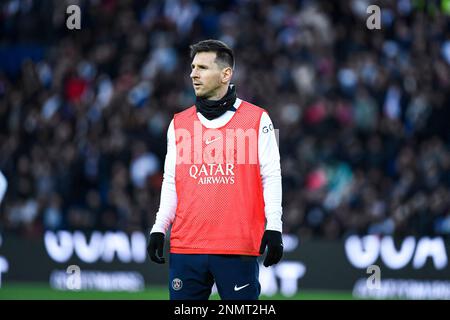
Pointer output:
x,y
274,242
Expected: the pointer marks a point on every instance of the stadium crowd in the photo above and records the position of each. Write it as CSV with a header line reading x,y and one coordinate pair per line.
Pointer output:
x,y
363,115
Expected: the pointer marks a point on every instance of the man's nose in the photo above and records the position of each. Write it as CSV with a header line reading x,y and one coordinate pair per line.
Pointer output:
x,y
194,74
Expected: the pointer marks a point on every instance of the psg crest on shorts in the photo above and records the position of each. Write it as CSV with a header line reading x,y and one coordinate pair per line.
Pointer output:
x,y
177,284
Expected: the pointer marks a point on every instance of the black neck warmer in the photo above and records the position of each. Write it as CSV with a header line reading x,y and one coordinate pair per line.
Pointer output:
x,y
213,109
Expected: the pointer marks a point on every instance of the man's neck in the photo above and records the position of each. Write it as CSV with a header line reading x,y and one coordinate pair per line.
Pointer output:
x,y
221,92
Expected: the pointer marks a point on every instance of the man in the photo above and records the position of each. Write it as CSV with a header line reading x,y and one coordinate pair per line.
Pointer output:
x,y
225,208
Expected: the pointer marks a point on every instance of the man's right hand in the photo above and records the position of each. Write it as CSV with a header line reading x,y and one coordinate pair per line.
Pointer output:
x,y
155,247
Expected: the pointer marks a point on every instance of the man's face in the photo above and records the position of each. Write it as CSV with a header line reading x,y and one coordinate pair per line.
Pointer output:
x,y
207,76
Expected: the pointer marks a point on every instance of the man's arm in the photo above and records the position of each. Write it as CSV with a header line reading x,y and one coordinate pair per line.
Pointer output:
x,y
269,161
168,201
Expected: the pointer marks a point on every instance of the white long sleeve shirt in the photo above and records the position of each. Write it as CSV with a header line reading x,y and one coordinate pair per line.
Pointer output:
x,y
269,161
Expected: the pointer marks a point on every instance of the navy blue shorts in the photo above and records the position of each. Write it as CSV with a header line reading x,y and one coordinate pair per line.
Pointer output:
x,y
191,276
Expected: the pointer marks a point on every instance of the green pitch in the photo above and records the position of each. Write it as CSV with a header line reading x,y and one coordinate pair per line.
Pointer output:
x,y
42,291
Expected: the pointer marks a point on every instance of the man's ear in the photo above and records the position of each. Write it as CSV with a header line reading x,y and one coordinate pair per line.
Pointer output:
x,y
227,73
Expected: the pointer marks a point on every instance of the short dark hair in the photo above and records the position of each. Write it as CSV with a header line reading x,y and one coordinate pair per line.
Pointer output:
x,y
224,54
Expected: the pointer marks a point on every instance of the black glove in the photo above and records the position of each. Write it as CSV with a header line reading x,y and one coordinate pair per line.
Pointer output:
x,y
156,245
272,239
